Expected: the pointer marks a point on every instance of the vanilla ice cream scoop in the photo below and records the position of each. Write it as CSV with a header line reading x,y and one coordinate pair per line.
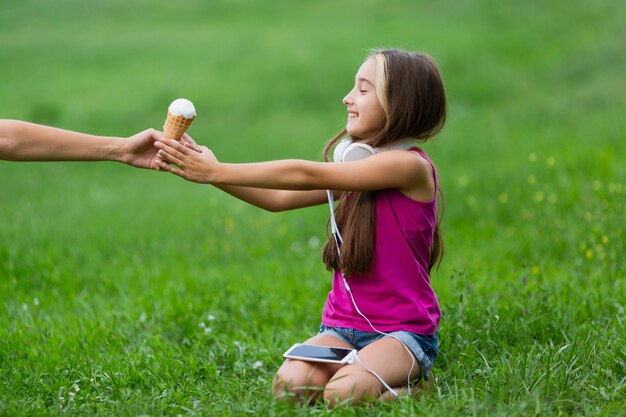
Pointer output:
x,y
182,107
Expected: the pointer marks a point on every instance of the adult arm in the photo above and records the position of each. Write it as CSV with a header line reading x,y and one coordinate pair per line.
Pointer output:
x,y
23,141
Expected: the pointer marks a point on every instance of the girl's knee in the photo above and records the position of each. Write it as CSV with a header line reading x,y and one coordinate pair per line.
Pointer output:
x,y
280,386
346,391
285,384
351,384
297,382
337,393
346,388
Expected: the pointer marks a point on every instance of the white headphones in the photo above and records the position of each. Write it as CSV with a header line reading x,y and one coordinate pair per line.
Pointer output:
x,y
347,151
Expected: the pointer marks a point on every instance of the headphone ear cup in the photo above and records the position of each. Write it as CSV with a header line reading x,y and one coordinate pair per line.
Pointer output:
x,y
339,150
357,151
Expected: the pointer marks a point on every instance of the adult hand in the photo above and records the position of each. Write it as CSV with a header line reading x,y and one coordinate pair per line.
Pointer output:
x,y
193,162
139,150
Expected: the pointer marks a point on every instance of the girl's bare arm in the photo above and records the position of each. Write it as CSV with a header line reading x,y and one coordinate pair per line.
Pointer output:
x,y
275,200
392,169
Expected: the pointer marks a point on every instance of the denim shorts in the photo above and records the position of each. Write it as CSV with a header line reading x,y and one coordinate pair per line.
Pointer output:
x,y
424,348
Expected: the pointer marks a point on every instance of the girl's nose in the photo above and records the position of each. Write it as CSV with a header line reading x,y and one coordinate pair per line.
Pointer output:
x,y
348,99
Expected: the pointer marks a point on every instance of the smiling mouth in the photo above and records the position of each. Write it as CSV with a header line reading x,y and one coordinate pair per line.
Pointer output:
x,y
353,115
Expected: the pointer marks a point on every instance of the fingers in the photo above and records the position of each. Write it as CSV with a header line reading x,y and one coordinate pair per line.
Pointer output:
x,y
171,148
151,133
190,143
165,167
189,139
173,144
164,156
157,163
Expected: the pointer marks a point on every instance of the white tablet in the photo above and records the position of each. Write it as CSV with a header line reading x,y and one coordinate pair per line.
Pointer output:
x,y
314,353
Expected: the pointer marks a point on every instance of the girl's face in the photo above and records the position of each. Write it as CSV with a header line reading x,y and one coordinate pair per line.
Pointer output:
x,y
365,112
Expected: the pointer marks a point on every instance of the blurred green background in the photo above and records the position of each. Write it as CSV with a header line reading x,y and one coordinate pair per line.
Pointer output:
x,y
131,292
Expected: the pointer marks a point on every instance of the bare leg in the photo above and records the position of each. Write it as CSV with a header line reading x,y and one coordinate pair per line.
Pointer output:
x,y
299,381
387,357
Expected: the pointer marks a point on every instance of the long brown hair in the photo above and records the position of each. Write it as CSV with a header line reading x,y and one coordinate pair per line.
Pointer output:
x,y
410,88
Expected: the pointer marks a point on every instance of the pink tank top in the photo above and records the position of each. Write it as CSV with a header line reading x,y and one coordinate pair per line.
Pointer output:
x,y
397,295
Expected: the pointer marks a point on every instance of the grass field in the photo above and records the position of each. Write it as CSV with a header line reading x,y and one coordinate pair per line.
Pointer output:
x,y
128,292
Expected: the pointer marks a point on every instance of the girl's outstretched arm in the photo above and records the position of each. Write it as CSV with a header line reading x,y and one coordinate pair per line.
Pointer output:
x,y
23,141
270,200
276,200
406,171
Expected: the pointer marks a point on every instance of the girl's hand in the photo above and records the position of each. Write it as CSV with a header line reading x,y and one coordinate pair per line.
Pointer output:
x,y
194,162
185,140
190,143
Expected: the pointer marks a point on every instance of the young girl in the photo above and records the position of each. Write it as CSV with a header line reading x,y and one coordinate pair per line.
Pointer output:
x,y
386,238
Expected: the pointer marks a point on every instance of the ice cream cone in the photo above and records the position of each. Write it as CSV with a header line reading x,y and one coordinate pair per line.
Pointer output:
x,y
180,114
176,125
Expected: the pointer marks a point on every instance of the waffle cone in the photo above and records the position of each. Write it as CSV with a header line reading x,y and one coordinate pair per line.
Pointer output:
x,y
176,126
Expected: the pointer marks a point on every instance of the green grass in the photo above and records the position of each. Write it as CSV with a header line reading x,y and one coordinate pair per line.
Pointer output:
x,y
128,292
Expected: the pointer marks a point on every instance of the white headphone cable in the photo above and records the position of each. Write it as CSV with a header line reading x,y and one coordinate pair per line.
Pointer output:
x,y
408,378
333,223
338,238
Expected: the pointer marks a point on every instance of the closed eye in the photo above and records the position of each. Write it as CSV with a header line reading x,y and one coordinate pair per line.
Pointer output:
x,y
362,84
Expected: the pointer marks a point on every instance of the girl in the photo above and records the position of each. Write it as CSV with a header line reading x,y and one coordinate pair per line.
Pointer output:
x,y
386,238
23,141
